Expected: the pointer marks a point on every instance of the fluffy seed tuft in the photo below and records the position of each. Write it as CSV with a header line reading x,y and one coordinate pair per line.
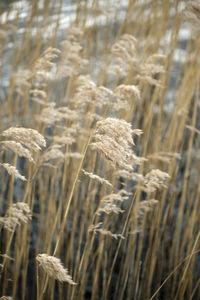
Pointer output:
x,y
154,180
54,268
114,138
31,138
13,171
96,177
18,213
18,149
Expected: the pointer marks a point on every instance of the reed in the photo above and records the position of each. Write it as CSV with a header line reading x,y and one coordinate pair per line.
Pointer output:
x,y
99,150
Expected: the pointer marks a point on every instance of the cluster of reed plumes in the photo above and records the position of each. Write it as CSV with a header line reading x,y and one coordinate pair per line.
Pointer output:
x,y
99,142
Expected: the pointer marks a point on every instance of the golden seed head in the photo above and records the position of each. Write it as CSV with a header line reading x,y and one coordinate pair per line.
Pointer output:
x,y
96,177
17,214
17,148
31,138
53,153
125,92
114,138
54,268
13,171
153,180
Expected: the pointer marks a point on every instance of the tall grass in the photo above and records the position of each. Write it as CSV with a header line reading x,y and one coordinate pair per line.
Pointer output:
x,y
99,163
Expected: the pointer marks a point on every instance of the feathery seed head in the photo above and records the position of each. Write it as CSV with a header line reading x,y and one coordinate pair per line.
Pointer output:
x,y
96,228
155,179
18,149
45,61
21,211
129,175
50,114
64,140
31,138
127,92
147,205
149,80
117,129
87,92
96,177
114,139
39,96
18,213
109,207
13,171
53,153
9,223
109,203
54,268
125,48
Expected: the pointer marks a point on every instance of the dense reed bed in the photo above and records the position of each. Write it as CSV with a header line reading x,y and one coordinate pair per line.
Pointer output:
x,y
100,159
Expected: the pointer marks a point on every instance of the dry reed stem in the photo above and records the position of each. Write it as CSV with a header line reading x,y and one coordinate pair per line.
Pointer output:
x,y
181,287
118,247
7,256
175,269
71,195
68,205
192,129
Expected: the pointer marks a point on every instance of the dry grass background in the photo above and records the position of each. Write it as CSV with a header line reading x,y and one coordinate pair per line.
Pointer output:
x,y
99,190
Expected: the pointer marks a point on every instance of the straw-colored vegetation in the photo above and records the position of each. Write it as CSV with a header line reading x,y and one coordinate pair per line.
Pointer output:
x,y
100,159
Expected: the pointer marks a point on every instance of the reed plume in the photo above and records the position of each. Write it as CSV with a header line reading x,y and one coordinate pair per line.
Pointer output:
x,y
114,138
17,214
17,148
13,171
154,180
54,268
31,138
